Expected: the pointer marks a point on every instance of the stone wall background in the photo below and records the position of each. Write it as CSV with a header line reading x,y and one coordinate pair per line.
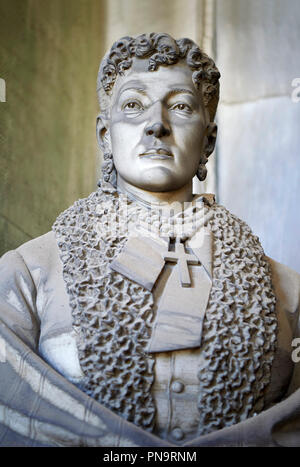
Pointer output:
x,y
49,57
258,168
49,53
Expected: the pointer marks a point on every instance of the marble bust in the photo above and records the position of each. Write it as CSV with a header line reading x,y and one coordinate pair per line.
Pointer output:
x,y
149,316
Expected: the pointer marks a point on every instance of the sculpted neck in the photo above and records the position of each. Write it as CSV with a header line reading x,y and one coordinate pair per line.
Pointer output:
x,y
184,194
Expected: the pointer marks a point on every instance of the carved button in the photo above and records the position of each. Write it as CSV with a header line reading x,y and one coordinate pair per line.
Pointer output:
x,y
177,386
177,434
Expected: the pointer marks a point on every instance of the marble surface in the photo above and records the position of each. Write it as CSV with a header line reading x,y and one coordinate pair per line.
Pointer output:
x,y
257,50
258,171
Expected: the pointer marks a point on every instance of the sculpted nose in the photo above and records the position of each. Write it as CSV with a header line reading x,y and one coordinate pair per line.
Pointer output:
x,y
158,125
158,130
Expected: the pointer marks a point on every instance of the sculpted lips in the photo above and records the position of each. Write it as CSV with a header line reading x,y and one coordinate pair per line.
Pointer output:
x,y
157,153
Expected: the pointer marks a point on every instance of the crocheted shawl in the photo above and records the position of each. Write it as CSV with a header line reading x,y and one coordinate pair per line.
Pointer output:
x,y
113,317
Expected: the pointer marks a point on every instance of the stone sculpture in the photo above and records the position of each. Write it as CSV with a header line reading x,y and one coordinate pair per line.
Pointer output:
x,y
149,316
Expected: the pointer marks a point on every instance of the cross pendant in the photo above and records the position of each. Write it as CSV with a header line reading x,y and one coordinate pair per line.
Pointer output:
x,y
183,259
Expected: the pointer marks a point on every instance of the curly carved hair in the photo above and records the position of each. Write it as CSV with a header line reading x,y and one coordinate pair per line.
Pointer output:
x,y
160,49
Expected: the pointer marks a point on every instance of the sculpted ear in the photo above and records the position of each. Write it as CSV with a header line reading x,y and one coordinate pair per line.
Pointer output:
x,y
209,146
211,136
102,133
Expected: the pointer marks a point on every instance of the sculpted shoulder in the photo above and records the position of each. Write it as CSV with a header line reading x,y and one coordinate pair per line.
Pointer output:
x,y
40,252
286,282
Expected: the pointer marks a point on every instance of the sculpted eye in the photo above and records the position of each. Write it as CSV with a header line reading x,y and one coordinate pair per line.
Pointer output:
x,y
132,106
182,107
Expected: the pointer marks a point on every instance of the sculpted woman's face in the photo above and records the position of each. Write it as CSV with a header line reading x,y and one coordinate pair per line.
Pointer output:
x,y
157,127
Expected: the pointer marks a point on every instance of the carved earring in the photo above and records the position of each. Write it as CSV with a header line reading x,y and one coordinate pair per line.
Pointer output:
x,y
107,166
108,169
109,173
201,172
